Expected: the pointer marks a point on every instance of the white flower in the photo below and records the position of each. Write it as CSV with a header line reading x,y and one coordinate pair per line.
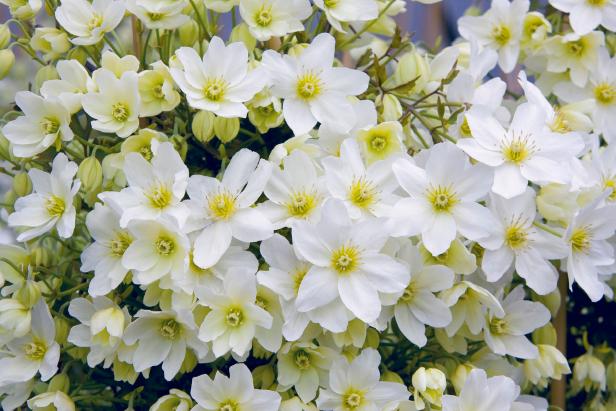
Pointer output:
x,y
57,401
163,337
417,306
429,385
500,28
585,16
313,90
221,81
303,365
551,364
356,386
586,238
101,329
347,263
104,255
158,249
365,190
46,122
155,189
15,319
578,54
526,151
115,107
443,199
295,192
517,242
274,18
157,90
235,392
481,393
232,322
89,21
505,335
221,6
159,14
73,84
51,203
347,11
223,209
36,352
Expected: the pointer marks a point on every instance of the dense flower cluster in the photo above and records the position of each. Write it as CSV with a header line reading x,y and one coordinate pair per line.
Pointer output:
x,y
315,213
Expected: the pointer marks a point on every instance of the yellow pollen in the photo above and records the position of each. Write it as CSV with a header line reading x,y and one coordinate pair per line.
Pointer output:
x,y
50,125
345,259
309,86
160,196
146,152
222,205
519,149
465,128
215,89
35,350
378,143
516,237
263,16
170,329
352,400
302,204
409,293
605,94
498,326
55,206
120,243
443,199
576,47
120,112
302,359
560,124
501,34
331,3
95,21
158,91
581,238
234,317
610,183
362,193
156,16
298,277
597,3
228,405
164,246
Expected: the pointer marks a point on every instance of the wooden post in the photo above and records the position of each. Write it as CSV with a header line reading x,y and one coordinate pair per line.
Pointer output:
x,y
558,389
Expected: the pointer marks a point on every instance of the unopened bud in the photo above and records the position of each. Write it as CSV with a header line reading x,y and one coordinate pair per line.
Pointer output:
x,y
29,293
188,33
242,33
226,129
22,184
7,59
62,329
41,257
44,74
90,174
203,126
5,36
59,382
545,335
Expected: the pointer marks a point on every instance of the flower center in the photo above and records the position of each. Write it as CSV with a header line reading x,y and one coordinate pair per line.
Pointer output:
x,y
229,405
302,203
465,128
50,125
597,3
120,112
35,350
352,400
576,47
158,91
118,245
159,196
516,237
345,259
309,86
519,149
610,183
234,317
605,94
560,124
501,34
302,359
580,239
55,206
331,3
362,193
409,293
96,20
156,16
378,143
298,277
263,16
146,152
222,206
170,329
443,199
262,302
164,246
498,326
215,89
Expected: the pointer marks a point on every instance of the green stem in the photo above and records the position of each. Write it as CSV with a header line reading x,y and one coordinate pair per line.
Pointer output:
x,y
113,47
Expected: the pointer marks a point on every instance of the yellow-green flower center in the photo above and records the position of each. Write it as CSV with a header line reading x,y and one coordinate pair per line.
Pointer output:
x,y
164,246
331,3
55,206
228,405
498,326
215,89
298,277
610,183
301,204
519,149
146,152
597,3
50,125
160,196
302,359
156,16
120,243
465,128
352,399
501,34
309,86
605,94
96,20
170,329
560,124
35,350
120,112
581,238
263,16
516,236
234,317
362,193
409,293
576,47
442,198
345,259
222,205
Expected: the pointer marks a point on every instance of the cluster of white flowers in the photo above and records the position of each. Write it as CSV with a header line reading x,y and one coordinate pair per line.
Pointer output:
x,y
374,235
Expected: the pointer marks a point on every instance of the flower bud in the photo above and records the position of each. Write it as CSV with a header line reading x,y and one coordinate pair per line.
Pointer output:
x,y
264,376
297,49
7,59
51,401
372,339
226,129
458,378
390,376
392,109
59,382
188,33
41,257
412,70
9,198
551,301
22,186
180,145
62,329
175,400
549,364
79,54
545,335
90,173
429,385
242,33
50,41
189,363
589,372
5,36
15,317
203,126
22,10
556,203
44,74
29,293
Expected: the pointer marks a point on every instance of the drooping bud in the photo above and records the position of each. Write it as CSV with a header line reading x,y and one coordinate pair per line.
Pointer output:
x,y
7,59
